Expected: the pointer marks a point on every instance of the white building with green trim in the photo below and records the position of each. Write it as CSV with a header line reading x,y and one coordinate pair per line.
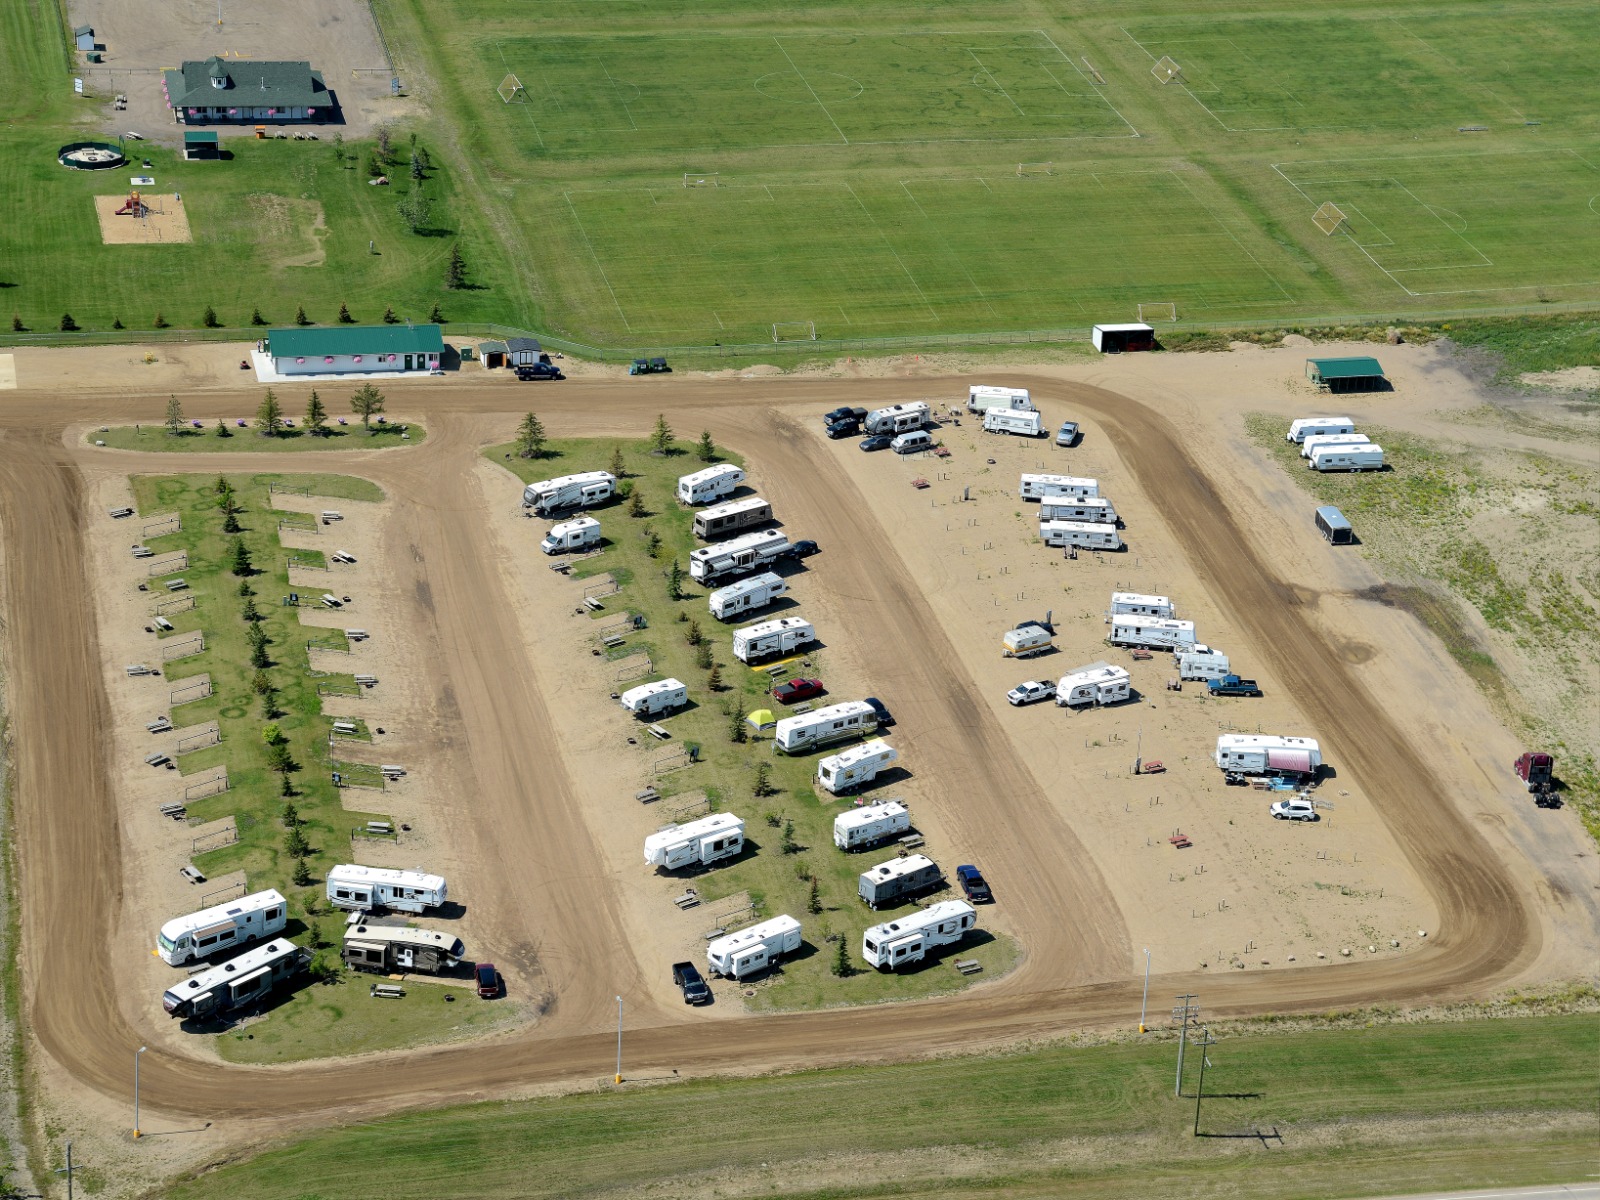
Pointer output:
x,y
355,349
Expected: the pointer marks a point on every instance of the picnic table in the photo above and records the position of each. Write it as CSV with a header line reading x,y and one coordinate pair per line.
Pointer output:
x,y
1180,840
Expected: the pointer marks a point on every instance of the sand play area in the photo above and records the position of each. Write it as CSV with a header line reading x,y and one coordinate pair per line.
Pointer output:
x,y
163,219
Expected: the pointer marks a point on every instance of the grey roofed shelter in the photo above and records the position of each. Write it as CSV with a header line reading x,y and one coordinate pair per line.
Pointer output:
x,y
212,91
83,35
522,351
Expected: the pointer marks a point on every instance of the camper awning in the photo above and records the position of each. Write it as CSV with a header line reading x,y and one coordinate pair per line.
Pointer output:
x,y
1296,761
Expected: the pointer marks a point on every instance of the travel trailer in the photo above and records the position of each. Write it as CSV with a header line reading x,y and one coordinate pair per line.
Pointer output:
x,y
749,951
898,418
696,843
1041,487
1025,641
741,556
1136,604
907,940
1260,754
746,596
710,485
222,928
1211,665
870,825
845,772
1014,421
772,638
1085,535
822,726
235,983
722,520
1306,427
982,398
653,699
1098,684
1150,633
899,881
1065,508
1347,458
584,490
386,949
362,889
1332,439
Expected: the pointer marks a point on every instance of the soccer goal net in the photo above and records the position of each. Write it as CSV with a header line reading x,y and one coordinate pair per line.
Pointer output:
x,y
511,90
1167,70
1329,218
794,331
700,179
1035,170
1160,310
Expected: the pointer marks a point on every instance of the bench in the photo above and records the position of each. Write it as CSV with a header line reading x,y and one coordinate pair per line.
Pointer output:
x,y
593,605
968,966
381,828
117,514
192,873
157,759
800,708
139,669
388,991
689,899
143,552
1180,840
613,639
712,935
912,840
357,635
657,732
159,725
163,624
177,585
342,556
176,810
648,796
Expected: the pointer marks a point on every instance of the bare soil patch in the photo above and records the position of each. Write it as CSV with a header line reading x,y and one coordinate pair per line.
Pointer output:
x,y
293,230
166,221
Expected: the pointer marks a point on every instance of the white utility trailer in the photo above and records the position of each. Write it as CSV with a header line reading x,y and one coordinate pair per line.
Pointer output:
x,y
907,940
842,773
772,638
696,843
833,723
750,951
870,825
746,596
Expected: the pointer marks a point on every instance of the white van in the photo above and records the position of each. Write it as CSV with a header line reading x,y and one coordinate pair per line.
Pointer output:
x,y
912,443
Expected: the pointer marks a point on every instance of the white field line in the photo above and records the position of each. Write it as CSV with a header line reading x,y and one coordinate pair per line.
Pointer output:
x,y
996,82
1104,99
944,243
810,89
528,108
913,279
597,263
612,79
1243,249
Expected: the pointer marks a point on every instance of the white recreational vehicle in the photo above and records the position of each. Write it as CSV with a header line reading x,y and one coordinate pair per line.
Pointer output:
x,y
1212,665
720,520
746,596
831,724
906,940
710,485
1152,634
870,825
1025,641
1068,508
584,490
1021,422
1366,457
579,534
1136,604
898,418
222,927
741,954
362,889
1086,535
741,556
387,948
653,699
1332,439
1040,487
856,767
769,638
237,982
1307,426
898,881
1097,684
695,844
1258,753
983,397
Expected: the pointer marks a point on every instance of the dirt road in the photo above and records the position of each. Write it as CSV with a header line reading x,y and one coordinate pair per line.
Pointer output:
x,y
1074,975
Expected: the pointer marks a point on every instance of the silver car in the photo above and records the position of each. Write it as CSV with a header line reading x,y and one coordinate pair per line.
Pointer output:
x,y
1067,434
1296,809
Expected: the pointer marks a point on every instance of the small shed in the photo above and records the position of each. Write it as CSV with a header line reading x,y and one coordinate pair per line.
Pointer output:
x,y
493,354
523,351
1357,374
1119,339
200,145
83,35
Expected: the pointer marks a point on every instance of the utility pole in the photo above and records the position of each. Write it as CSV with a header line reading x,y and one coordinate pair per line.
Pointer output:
x,y
1203,1041
1143,1003
68,1170
1186,1011
619,1039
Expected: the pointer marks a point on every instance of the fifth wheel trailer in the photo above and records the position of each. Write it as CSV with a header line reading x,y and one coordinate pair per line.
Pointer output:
x,y
362,889
741,556
1260,754
907,940
222,927
898,418
1040,487
871,825
1096,684
746,596
1068,508
1085,535
696,843
235,983
898,881
856,767
386,948
824,725
583,490
1152,634
721,520
710,485
756,642
744,953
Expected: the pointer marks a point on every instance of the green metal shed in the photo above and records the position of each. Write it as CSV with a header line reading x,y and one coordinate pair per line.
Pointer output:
x,y
200,144
1359,373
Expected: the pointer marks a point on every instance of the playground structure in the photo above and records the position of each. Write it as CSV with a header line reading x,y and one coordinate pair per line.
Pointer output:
x,y
133,206
90,156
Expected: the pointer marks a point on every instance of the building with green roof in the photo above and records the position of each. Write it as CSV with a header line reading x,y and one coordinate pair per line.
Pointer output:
x,y
214,92
1356,374
355,349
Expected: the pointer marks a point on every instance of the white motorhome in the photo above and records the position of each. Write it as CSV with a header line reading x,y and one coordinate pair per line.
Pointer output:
x,y
1152,634
1025,641
1332,439
1086,535
898,418
769,638
568,536
695,844
362,889
906,940
1097,684
1137,604
1258,753
1067,508
237,982
653,699
1307,426
1212,665
1040,487
983,397
741,556
387,948
1022,423
870,825
856,767
720,520
583,490
898,881
746,596
222,927
709,485
748,951
823,726
1347,458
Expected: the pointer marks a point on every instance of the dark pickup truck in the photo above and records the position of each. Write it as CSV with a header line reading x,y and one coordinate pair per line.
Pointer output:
x,y
1232,685
687,977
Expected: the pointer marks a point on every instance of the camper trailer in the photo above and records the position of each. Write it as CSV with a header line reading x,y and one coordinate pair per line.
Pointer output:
x,y
1041,487
772,638
1066,508
1082,534
856,767
899,881
746,596
1151,634
1021,422
870,825
695,844
1211,665
386,949
1335,526
222,928
653,699
984,398
709,486
235,983
741,556
834,723
568,536
907,940
1306,427
1136,604
1346,458
898,418
1025,641
1261,754
742,954
362,889
1098,684
584,490
723,520
1332,439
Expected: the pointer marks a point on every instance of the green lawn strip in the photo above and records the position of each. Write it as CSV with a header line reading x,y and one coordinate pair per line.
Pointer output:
x,y
1113,1102
777,882
154,438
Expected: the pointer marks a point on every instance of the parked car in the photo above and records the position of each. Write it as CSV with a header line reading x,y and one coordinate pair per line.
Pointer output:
x,y
973,884
1295,809
1027,693
531,371
687,977
488,980
804,548
843,429
1067,434
857,415
879,711
795,690
878,441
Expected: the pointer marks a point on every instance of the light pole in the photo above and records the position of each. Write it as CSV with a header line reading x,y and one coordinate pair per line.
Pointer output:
x,y
619,1039
1143,1003
136,1055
